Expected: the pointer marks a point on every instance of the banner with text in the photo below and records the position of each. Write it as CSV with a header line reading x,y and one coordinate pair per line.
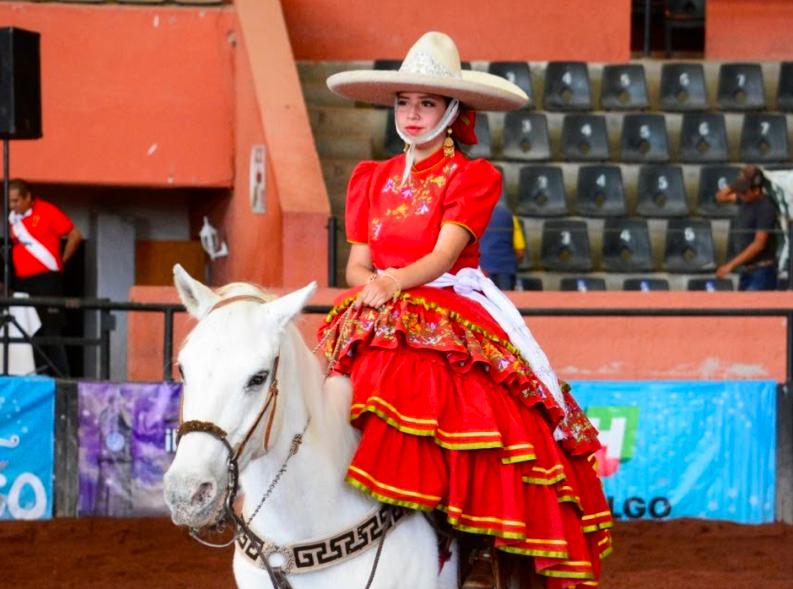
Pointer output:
x,y
27,446
127,442
686,449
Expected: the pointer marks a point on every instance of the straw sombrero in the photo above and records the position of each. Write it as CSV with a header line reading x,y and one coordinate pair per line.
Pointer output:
x,y
433,66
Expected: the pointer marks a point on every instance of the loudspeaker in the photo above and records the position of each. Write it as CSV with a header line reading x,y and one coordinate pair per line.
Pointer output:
x,y
20,84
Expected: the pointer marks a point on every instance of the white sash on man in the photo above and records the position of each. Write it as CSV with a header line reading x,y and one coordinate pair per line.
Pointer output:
x,y
34,247
473,284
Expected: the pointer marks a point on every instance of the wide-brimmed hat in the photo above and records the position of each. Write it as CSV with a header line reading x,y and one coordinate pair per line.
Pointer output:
x,y
433,66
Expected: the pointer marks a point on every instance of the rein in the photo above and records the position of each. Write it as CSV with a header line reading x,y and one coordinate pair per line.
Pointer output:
x,y
305,557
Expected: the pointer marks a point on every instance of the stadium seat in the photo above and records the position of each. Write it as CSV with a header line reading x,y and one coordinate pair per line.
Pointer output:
x,y
387,64
645,284
567,86
644,138
626,246
661,192
703,138
581,284
689,246
529,283
600,192
623,87
741,87
482,128
584,138
764,138
710,284
784,97
526,136
683,87
518,73
565,246
541,192
711,180
393,143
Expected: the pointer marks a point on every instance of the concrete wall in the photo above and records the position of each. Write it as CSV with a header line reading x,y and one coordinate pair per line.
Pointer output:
x,y
524,30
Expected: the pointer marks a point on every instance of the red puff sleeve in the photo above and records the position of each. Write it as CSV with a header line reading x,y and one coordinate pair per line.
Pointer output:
x,y
471,196
356,217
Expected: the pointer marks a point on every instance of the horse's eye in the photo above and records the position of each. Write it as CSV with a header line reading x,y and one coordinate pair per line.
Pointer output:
x,y
257,379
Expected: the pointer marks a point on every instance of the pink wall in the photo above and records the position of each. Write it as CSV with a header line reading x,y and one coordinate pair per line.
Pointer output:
x,y
527,30
607,348
130,96
749,30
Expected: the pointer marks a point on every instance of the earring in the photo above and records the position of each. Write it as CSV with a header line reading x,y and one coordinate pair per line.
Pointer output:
x,y
448,144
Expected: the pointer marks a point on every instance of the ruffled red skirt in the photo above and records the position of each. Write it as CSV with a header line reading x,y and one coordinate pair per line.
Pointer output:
x,y
453,419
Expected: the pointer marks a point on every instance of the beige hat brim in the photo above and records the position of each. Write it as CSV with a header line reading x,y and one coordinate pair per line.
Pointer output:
x,y
476,90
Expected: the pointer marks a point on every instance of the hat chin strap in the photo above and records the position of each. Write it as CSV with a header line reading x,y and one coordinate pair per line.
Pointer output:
x,y
412,142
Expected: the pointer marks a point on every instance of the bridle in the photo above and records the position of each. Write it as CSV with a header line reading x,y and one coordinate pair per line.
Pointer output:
x,y
373,528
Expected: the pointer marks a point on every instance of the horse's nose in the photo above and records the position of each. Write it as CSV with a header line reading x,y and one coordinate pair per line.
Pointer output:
x,y
203,495
191,494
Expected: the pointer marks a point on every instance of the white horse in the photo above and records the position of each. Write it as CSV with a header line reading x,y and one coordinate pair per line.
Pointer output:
x,y
227,363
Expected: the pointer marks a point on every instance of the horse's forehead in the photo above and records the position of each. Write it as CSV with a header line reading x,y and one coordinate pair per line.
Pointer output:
x,y
232,331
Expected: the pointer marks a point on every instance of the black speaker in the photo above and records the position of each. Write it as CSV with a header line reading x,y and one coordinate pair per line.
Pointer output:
x,y
20,84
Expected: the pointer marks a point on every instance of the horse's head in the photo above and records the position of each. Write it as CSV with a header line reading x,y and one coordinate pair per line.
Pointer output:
x,y
227,365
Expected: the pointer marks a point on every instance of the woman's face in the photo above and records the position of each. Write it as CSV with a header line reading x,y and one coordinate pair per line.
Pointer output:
x,y
416,112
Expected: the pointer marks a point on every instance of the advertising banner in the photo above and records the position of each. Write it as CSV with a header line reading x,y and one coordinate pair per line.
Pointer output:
x,y
686,449
127,442
27,446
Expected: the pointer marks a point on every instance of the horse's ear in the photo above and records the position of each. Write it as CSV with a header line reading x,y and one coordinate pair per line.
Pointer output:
x,y
287,307
197,298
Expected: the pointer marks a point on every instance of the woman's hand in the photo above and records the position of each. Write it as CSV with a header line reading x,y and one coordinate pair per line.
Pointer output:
x,y
377,292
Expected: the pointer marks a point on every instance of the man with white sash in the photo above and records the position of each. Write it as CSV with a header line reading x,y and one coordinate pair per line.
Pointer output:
x,y
36,228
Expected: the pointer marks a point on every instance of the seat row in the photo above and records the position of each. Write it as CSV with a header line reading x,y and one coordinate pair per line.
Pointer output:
x,y
626,247
645,284
643,138
567,86
600,192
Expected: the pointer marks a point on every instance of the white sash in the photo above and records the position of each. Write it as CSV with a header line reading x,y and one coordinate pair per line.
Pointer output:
x,y
34,246
473,284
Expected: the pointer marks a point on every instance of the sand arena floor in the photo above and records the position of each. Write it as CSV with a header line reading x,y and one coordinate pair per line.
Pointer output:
x,y
151,553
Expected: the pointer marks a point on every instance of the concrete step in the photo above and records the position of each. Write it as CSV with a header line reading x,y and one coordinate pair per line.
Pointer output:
x,y
358,147
336,120
319,71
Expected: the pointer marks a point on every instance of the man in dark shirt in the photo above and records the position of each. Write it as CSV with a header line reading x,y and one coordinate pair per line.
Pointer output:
x,y
755,231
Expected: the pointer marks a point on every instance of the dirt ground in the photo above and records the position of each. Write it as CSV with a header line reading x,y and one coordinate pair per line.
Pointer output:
x,y
152,553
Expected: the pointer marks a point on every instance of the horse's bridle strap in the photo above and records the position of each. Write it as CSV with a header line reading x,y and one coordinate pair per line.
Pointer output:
x,y
313,555
205,427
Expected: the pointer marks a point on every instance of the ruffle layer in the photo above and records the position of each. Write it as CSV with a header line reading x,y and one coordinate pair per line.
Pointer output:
x,y
456,421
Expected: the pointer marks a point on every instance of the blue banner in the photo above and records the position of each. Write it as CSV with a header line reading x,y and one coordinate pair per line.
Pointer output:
x,y
686,449
27,446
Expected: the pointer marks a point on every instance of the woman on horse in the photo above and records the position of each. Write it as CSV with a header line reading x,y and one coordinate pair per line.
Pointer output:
x,y
458,407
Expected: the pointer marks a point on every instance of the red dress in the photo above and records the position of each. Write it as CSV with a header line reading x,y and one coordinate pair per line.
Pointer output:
x,y
452,418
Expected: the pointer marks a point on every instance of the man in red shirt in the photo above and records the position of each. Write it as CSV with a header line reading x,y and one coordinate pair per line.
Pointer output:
x,y
36,229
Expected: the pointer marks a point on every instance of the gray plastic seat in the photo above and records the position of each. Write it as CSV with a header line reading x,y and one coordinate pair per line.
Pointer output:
x,y
784,96
600,192
584,138
689,246
518,73
644,138
623,87
711,284
764,138
626,246
565,246
482,129
567,86
661,192
526,136
582,284
541,192
645,284
741,87
393,143
703,138
683,87
530,283
712,179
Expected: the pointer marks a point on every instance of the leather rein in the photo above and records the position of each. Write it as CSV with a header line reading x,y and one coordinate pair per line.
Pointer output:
x,y
308,556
